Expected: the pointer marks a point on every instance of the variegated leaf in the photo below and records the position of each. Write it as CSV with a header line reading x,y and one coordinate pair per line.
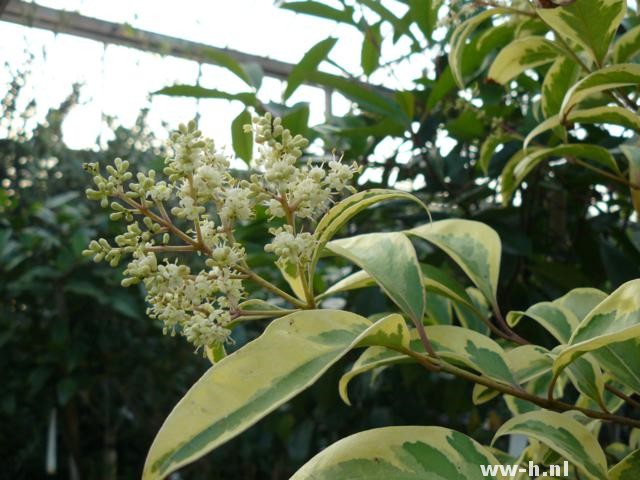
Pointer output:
x,y
627,47
632,154
555,319
489,146
620,360
391,261
520,55
614,115
559,78
474,246
588,23
471,349
627,469
616,319
531,160
345,210
564,435
527,362
371,358
400,453
607,78
459,39
247,385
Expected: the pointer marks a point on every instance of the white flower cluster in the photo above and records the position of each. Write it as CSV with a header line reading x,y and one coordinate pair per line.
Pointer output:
x,y
201,192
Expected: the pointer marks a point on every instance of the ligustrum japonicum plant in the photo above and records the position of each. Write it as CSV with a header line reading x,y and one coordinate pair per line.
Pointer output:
x,y
197,208
560,395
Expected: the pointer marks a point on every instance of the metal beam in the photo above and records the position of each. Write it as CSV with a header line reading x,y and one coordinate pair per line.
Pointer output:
x,y
60,21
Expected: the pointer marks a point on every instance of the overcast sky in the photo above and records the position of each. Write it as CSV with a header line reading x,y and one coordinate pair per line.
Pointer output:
x,y
117,80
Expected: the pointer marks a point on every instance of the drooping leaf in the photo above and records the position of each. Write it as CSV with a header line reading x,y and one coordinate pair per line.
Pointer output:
x,y
391,261
371,47
472,349
489,146
586,376
196,91
588,23
308,64
610,114
370,359
564,435
474,246
242,141
247,385
627,469
562,74
558,321
607,78
359,279
246,73
580,301
425,14
620,360
632,154
627,47
527,362
616,319
532,159
318,9
400,453
345,210
520,55
459,39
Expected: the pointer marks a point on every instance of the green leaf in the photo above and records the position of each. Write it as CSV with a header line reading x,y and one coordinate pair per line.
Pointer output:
x,y
195,91
438,281
321,10
425,14
586,376
527,362
607,78
627,46
508,183
371,358
489,146
584,151
342,212
616,319
366,96
562,74
242,141
620,360
520,55
474,246
613,115
371,44
400,453
246,73
459,39
391,261
359,279
247,385
474,350
632,154
589,23
627,469
309,63
555,319
565,436
580,301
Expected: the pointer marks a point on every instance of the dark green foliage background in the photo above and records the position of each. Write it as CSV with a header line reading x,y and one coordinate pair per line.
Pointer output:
x,y
73,340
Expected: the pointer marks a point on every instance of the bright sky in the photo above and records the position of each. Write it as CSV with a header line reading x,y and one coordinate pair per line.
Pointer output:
x,y
117,80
